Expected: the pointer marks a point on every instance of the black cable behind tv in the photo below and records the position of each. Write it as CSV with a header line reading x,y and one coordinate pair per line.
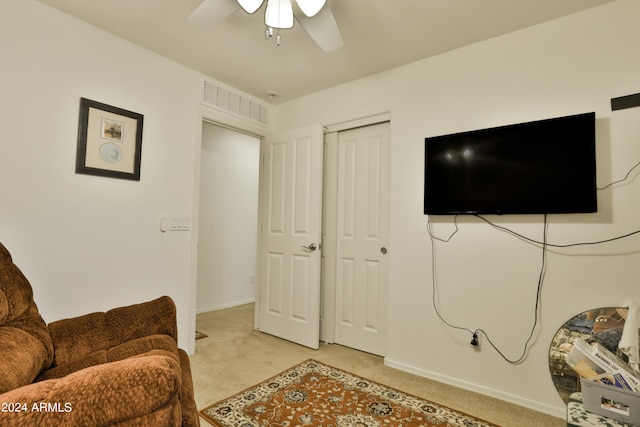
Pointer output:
x,y
538,167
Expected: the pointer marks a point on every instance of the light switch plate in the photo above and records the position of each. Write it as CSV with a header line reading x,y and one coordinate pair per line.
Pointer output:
x,y
175,223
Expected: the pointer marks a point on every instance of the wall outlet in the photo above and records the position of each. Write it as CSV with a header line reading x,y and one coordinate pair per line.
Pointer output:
x,y
475,341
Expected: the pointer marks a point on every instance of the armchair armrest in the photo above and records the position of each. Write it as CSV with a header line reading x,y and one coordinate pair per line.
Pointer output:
x,y
141,391
76,338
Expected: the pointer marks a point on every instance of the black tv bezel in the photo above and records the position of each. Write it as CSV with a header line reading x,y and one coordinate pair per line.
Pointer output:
x,y
590,206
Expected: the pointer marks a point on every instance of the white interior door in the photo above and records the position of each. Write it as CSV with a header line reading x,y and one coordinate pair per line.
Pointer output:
x,y
362,267
290,233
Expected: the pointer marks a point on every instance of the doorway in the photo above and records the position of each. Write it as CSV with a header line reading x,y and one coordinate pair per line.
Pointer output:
x,y
228,218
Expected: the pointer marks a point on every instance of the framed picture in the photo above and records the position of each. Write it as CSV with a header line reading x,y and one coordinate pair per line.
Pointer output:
x,y
109,141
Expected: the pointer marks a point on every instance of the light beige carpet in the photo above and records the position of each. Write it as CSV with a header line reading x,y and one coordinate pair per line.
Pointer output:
x,y
235,357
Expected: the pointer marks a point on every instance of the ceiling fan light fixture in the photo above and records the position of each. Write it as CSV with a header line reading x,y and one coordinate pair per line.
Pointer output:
x,y
310,7
279,14
250,6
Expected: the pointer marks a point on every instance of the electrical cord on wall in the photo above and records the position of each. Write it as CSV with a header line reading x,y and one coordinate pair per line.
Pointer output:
x,y
482,331
568,245
544,243
433,273
620,180
537,305
432,236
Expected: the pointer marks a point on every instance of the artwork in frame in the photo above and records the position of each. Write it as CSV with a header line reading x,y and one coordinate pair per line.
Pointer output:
x,y
109,141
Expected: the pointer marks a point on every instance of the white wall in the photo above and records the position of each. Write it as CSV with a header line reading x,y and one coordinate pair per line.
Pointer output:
x,y
90,243
228,218
487,279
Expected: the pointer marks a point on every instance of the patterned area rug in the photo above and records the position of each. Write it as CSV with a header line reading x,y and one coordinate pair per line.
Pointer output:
x,y
314,394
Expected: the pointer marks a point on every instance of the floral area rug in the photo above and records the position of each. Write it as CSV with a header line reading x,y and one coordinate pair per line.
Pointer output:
x,y
314,394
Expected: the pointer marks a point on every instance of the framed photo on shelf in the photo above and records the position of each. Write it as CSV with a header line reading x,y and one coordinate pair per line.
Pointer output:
x,y
109,141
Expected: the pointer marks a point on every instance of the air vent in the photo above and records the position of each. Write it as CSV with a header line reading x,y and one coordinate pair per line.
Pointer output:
x,y
224,99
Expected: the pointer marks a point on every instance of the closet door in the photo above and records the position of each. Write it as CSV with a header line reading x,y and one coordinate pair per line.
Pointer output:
x,y
362,267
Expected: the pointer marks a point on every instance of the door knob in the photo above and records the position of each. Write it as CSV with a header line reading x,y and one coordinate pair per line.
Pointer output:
x,y
383,250
311,247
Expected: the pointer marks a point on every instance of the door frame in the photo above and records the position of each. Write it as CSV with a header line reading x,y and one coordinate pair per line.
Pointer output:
x,y
218,118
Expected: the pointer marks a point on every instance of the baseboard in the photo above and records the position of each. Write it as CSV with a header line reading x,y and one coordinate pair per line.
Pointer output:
x,y
559,412
223,306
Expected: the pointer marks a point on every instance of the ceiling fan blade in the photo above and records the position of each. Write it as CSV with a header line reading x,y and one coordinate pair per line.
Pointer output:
x,y
250,6
310,7
212,11
322,28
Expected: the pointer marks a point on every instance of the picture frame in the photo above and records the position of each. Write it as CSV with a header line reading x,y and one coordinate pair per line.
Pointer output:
x,y
109,141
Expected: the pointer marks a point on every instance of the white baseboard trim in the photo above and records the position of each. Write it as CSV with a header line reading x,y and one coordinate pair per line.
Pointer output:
x,y
559,412
223,306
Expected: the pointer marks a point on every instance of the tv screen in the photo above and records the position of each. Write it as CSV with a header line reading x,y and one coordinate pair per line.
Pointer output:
x,y
539,167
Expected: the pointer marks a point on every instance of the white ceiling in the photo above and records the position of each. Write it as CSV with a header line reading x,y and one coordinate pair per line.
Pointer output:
x,y
378,35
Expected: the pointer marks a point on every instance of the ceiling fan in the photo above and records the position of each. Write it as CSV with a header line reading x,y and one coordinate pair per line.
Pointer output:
x,y
314,16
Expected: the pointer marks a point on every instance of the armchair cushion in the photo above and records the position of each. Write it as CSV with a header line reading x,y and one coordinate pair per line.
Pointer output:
x,y
160,344
89,335
140,391
25,346
22,357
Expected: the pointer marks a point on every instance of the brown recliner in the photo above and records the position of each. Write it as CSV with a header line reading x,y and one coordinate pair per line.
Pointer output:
x,y
119,368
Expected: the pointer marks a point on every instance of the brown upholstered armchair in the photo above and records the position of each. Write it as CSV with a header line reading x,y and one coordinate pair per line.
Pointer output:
x,y
122,367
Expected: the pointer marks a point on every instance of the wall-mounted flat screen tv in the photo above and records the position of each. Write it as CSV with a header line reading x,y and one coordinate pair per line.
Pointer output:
x,y
539,167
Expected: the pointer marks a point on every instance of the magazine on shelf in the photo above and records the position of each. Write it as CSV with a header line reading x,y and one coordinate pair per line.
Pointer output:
x,y
615,380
